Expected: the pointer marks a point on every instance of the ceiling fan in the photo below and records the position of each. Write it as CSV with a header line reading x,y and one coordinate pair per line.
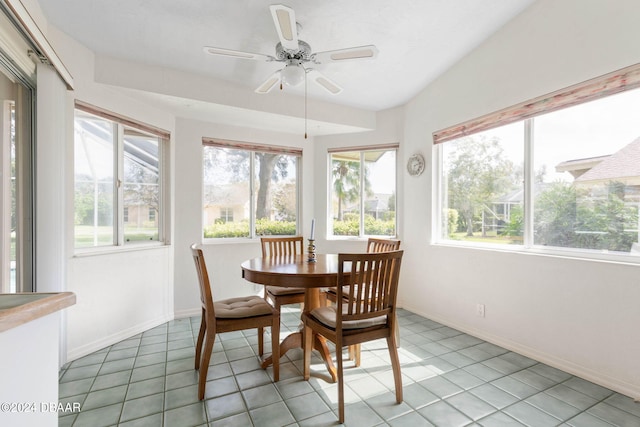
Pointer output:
x,y
296,54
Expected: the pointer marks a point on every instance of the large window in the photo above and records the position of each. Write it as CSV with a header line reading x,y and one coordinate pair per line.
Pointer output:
x,y
565,180
118,180
249,190
363,192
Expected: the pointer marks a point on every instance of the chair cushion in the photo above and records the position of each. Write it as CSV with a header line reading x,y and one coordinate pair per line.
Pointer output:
x,y
327,315
278,290
235,308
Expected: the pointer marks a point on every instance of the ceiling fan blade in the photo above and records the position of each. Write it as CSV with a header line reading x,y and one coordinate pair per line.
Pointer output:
x,y
324,82
237,54
360,52
285,20
269,84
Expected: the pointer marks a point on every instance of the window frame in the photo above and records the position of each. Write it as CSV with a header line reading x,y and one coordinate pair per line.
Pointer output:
x,y
226,213
362,150
121,122
600,87
252,149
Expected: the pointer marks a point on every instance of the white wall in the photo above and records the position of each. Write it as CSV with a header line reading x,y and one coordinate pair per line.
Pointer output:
x,y
579,315
51,191
223,258
120,293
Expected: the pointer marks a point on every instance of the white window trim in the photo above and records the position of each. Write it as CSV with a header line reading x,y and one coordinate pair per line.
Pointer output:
x,y
164,137
251,148
362,149
105,250
528,246
607,85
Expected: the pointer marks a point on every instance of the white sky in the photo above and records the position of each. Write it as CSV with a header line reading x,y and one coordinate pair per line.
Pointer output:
x,y
593,129
383,173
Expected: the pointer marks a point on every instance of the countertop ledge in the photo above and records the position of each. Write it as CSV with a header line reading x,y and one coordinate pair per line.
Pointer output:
x,y
18,309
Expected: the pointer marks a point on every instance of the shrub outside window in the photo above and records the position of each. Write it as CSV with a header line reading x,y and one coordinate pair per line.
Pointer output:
x,y
563,180
363,192
589,162
118,168
249,190
482,186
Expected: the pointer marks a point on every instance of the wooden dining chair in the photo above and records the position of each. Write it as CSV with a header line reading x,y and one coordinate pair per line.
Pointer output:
x,y
282,246
233,314
365,310
374,245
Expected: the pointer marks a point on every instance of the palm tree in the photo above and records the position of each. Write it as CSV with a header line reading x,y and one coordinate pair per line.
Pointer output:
x,y
346,182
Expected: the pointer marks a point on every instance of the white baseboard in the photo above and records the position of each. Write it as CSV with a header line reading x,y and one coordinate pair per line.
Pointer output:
x,y
192,312
615,384
78,352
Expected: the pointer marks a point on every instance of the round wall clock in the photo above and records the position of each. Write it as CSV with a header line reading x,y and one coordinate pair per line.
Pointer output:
x,y
415,165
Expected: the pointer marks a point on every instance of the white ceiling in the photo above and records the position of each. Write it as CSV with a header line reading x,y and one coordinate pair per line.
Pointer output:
x,y
417,39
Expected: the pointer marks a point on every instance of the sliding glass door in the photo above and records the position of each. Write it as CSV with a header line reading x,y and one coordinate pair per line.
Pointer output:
x,y
16,190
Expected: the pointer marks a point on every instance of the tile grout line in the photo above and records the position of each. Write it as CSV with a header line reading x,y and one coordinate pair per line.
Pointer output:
x,y
461,366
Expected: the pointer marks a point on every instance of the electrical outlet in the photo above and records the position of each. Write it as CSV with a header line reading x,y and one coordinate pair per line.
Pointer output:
x,y
480,310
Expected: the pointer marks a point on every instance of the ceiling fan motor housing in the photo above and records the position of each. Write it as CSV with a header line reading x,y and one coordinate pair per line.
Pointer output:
x,y
303,54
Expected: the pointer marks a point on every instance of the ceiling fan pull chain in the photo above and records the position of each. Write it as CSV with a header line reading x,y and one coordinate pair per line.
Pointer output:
x,y
305,101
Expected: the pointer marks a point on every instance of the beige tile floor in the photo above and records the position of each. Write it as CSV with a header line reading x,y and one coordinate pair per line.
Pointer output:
x,y
450,379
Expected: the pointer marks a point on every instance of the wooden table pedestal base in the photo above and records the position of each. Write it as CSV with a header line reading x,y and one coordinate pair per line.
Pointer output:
x,y
294,340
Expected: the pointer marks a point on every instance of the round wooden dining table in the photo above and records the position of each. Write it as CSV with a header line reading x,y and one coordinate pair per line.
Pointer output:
x,y
296,271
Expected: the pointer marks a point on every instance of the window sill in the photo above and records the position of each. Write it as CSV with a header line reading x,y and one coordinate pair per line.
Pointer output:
x,y
230,240
106,250
567,253
359,238
347,238
240,240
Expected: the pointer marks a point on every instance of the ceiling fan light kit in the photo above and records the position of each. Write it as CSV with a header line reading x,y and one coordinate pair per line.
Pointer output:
x,y
292,74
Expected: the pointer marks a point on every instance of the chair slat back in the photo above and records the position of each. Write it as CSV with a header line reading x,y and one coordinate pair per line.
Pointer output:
x,y
206,296
281,246
382,245
370,287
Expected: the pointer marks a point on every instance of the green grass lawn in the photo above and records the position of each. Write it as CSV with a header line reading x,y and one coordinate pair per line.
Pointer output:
x,y
491,237
84,235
